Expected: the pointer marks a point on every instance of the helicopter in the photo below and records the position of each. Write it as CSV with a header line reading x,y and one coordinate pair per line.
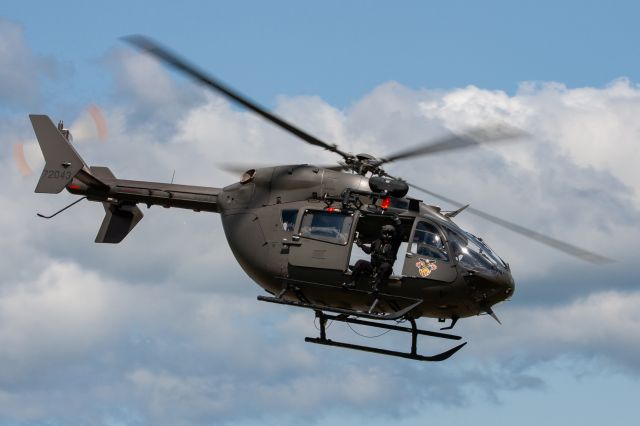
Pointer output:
x,y
293,228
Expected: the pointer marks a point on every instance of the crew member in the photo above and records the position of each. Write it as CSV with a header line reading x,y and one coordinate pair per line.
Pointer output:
x,y
383,255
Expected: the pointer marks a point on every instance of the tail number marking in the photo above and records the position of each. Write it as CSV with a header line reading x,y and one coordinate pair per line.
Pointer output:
x,y
56,174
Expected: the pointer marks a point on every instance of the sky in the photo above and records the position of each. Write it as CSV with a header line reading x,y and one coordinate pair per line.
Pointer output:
x,y
165,328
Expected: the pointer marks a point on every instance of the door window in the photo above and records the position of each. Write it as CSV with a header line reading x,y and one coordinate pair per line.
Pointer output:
x,y
429,241
326,226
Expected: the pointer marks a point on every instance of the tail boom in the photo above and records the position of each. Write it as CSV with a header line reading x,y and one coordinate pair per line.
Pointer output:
x,y
64,168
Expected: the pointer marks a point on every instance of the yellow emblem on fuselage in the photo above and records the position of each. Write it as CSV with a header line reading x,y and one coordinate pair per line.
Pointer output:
x,y
426,267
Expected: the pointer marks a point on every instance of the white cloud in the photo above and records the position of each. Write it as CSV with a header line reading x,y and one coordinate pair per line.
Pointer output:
x,y
70,307
603,325
145,78
594,127
20,68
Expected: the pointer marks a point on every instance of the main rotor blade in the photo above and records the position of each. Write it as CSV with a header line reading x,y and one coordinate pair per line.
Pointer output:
x,y
239,168
174,60
541,238
470,138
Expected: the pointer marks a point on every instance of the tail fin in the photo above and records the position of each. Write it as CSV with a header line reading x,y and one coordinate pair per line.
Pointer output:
x,y
62,162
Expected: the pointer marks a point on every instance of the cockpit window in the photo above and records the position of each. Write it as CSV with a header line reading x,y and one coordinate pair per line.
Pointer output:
x,y
472,251
487,251
326,226
288,218
429,241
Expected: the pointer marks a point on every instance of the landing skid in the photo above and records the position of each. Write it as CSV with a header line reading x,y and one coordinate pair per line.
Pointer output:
x,y
414,330
344,315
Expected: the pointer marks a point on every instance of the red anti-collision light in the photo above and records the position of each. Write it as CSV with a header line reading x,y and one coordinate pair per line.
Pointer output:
x,y
76,187
332,210
386,202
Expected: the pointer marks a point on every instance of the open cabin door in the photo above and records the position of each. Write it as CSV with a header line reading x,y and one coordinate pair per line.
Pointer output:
x,y
427,255
323,241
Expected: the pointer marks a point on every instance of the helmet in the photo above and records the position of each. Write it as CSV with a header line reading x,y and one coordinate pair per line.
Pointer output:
x,y
388,231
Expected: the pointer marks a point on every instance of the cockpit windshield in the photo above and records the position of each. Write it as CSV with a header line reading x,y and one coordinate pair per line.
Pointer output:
x,y
473,251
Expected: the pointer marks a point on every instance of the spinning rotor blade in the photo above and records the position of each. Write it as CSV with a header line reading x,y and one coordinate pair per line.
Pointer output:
x,y
89,125
238,169
541,238
174,60
20,160
474,137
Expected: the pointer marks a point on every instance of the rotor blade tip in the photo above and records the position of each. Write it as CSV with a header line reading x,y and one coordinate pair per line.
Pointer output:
x,y
139,41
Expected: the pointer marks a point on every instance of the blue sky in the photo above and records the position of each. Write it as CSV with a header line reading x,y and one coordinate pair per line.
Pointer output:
x,y
144,333
339,50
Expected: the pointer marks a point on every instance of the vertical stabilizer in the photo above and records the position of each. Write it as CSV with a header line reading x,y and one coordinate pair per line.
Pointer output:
x,y
62,162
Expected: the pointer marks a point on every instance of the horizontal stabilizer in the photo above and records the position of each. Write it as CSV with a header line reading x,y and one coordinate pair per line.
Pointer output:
x,y
118,221
102,173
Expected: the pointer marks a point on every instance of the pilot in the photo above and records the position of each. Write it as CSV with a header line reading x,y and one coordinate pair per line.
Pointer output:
x,y
383,255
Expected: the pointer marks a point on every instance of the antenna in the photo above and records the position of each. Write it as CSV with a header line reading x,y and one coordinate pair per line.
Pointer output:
x,y
61,210
455,212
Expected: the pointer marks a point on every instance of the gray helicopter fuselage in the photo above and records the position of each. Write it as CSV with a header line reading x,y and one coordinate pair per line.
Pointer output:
x,y
268,222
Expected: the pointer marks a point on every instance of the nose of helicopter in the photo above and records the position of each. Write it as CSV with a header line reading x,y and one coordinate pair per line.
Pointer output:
x,y
503,287
509,284
504,284
495,286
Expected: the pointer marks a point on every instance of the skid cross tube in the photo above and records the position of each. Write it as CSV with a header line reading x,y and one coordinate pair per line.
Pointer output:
x,y
411,329
394,316
289,284
322,340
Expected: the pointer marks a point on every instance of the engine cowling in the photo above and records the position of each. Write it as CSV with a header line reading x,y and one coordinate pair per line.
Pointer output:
x,y
393,187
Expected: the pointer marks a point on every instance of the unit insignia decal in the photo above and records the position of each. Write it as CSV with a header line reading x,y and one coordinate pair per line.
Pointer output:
x,y
426,267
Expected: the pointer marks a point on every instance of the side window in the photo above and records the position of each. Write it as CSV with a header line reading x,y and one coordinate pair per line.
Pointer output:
x,y
429,242
325,226
288,218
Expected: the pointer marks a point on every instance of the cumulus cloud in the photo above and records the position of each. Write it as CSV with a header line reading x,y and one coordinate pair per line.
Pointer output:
x,y
594,127
20,67
165,327
601,325
147,96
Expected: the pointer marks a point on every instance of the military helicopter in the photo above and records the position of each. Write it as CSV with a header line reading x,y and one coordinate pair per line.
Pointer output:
x,y
292,228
